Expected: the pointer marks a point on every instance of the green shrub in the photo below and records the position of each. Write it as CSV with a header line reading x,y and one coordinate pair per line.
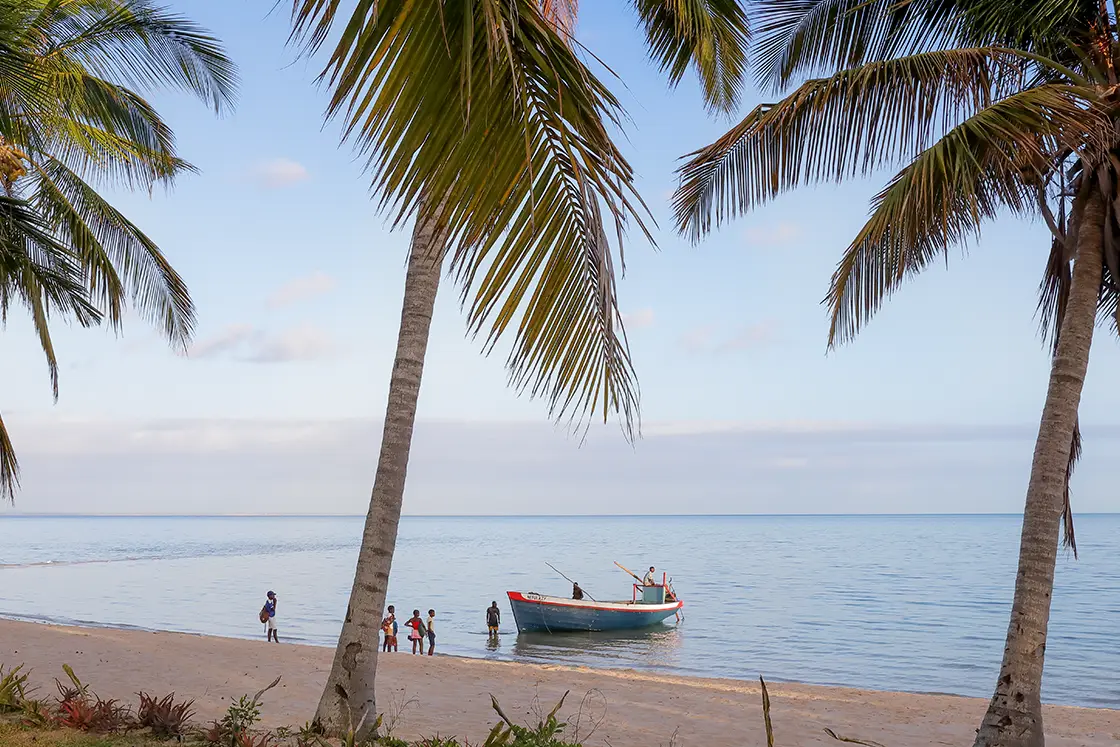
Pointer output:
x,y
13,688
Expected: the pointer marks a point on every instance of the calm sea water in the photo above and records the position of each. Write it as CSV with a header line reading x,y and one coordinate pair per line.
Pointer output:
x,y
896,603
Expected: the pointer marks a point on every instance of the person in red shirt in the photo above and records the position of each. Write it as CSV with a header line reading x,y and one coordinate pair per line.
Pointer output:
x,y
417,632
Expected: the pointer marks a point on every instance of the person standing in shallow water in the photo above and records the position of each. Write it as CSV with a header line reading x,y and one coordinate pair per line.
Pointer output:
x,y
389,628
270,610
416,632
493,619
431,632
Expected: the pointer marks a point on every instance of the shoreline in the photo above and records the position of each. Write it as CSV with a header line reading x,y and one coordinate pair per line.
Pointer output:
x,y
608,671
451,695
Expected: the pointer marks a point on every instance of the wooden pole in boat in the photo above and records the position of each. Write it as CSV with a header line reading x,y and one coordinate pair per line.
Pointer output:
x,y
573,583
635,575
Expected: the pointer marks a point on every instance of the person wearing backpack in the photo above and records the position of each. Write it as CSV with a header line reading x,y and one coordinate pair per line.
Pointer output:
x,y
268,616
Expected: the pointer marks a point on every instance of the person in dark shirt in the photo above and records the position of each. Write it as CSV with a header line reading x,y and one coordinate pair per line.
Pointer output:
x,y
270,607
577,593
493,619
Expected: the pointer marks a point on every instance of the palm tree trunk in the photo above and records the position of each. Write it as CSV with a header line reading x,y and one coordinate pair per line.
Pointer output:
x,y
348,700
1014,717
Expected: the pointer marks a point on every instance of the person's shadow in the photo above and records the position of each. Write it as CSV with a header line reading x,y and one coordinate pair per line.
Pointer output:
x,y
493,643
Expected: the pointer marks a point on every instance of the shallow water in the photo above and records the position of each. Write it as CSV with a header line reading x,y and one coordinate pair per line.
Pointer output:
x,y
895,603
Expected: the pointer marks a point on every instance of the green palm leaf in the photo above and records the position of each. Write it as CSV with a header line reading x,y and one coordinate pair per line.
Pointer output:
x,y
507,129
853,123
709,35
117,257
41,274
991,162
136,43
799,38
107,133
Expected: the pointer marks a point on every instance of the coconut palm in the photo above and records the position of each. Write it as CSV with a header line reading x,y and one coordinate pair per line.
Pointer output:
x,y
482,122
71,122
990,107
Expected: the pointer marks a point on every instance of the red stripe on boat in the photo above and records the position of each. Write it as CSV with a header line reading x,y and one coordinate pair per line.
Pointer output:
x,y
517,596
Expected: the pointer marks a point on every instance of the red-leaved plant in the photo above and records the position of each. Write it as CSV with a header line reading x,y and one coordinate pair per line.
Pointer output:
x,y
164,716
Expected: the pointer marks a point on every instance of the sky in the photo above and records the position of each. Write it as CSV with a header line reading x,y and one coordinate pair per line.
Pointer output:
x,y
298,284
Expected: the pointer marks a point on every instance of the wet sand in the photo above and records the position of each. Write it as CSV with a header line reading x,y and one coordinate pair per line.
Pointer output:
x,y
447,695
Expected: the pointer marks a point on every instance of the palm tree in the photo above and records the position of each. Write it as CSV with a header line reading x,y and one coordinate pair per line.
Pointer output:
x,y
481,121
988,106
71,122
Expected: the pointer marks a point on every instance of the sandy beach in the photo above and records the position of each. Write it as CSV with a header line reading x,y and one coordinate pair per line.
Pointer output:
x,y
451,694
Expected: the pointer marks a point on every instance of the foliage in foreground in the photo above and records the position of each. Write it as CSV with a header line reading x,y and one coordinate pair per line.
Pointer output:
x,y
78,717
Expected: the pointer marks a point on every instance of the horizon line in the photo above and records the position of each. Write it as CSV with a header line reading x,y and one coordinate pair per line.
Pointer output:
x,y
68,515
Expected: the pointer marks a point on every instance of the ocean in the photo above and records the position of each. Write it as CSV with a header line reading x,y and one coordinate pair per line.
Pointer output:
x,y
910,603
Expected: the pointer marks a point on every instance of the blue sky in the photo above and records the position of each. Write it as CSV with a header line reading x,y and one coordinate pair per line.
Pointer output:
x,y
298,284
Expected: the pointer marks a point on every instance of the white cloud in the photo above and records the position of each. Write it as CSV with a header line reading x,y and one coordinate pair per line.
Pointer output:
x,y
706,339
244,342
639,319
698,339
777,234
232,466
301,289
304,343
276,173
229,339
749,338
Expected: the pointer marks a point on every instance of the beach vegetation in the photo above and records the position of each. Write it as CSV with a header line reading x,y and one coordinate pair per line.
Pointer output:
x,y
37,714
73,688
13,688
497,143
94,714
236,727
164,716
547,732
74,122
114,725
987,108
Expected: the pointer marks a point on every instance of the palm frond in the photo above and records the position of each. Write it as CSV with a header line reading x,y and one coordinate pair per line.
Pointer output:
x,y
40,273
9,465
710,35
138,44
1040,25
509,130
116,256
106,133
988,163
801,38
852,123
561,14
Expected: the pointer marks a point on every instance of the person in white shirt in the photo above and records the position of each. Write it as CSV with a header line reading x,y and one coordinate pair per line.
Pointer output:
x,y
649,580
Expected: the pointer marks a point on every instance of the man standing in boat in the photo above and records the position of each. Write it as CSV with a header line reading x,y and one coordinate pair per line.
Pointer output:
x,y
649,580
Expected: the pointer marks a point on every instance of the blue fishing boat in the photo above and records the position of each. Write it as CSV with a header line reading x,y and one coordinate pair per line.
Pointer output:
x,y
537,613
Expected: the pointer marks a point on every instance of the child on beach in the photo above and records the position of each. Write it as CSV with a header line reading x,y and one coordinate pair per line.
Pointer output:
x,y
431,632
389,628
416,632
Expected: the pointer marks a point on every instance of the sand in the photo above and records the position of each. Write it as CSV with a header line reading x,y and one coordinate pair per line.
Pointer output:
x,y
451,696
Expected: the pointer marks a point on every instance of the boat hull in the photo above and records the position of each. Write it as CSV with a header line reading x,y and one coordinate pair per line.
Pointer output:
x,y
536,613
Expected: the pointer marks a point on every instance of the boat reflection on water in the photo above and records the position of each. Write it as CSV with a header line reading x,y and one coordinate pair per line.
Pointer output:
x,y
647,647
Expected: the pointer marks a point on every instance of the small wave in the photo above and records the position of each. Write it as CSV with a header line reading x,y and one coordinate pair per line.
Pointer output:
x,y
221,552
61,563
